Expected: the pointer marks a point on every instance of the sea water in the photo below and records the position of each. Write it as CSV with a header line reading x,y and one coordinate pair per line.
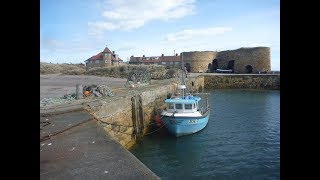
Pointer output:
x,y
240,141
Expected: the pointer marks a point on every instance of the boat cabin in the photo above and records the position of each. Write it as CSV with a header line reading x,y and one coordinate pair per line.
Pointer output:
x,y
186,104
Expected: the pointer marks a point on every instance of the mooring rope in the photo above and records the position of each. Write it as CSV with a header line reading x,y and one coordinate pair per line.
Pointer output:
x,y
164,123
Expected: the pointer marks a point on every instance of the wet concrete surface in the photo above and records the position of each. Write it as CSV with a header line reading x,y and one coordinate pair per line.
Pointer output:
x,y
85,151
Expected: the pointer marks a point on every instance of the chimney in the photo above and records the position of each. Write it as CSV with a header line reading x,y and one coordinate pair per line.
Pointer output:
x,y
143,56
162,55
112,52
176,54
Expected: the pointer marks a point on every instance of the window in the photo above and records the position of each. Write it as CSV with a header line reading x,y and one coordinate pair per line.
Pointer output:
x,y
178,106
176,63
171,106
97,61
163,62
171,62
188,106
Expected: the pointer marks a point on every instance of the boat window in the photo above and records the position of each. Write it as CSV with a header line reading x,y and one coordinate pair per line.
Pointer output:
x,y
188,106
178,106
171,106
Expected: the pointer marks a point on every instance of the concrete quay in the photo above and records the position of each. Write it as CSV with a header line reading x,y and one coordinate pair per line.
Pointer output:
x,y
74,146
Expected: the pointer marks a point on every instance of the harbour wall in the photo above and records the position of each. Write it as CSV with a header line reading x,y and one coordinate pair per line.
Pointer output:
x,y
129,117
239,81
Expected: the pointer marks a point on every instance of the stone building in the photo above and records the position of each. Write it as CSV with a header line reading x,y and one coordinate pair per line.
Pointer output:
x,y
103,59
242,60
169,61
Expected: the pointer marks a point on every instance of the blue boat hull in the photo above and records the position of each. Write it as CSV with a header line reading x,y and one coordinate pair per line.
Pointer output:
x,y
180,126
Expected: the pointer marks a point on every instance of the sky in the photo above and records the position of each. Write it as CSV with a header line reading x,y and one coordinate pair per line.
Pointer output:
x,y
72,31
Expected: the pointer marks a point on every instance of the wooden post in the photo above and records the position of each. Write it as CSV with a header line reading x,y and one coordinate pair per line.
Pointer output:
x,y
79,91
141,117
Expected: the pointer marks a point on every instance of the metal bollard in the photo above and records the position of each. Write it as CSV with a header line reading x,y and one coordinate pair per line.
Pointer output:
x,y
79,91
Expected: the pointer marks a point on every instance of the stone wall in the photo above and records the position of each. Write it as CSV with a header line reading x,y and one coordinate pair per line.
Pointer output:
x,y
118,117
93,65
271,82
199,60
195,84
258,58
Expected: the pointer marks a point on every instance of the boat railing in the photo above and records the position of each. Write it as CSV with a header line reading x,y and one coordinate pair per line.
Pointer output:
x,y
200,93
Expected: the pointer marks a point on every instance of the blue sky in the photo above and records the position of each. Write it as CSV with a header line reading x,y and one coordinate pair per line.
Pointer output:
x,y
74,30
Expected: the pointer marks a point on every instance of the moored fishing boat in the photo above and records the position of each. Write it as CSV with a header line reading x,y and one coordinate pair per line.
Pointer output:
x,y
184,113
184,116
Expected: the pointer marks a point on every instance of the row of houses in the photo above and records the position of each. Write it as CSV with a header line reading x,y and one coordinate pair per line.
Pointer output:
x,y
107,58
169,61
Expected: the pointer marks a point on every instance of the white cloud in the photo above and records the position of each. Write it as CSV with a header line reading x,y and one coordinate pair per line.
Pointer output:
x,y
74,50
132,14
48,44
73,46
97,28
188,34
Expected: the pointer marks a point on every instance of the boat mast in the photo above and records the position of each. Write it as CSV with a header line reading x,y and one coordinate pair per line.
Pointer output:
x,y
183,73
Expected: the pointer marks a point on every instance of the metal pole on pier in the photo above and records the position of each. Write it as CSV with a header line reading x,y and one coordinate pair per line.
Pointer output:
x,y
79,91
182,68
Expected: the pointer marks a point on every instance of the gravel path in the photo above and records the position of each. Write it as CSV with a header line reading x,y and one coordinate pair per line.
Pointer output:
x,y
55,85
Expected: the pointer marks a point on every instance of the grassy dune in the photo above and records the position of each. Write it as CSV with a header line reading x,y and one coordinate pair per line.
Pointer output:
x,y
156,71
68,69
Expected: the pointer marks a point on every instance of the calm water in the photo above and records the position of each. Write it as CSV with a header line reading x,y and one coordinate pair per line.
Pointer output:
x,y
241,141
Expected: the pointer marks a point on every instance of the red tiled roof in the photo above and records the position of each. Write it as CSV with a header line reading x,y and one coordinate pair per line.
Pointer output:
x,y
113,58
169,58
106,50
99,56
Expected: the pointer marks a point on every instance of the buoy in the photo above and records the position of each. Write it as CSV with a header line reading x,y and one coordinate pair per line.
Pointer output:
x,y
158,120
87,93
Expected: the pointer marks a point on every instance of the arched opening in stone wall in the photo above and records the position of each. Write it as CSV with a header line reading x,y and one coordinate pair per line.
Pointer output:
x,y
231,65
214,65
209,68
187,65
248,69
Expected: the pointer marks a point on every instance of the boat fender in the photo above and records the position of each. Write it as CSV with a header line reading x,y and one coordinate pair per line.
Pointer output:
x,y
158,120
